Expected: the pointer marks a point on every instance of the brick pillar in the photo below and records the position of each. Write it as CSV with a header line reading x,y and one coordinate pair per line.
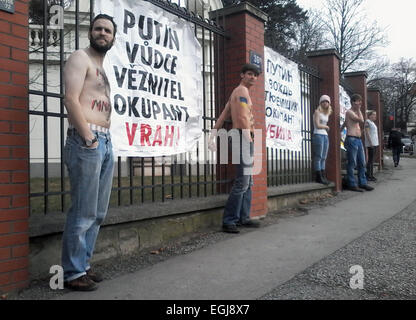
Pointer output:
x,y
14,148
244,24
358,82
327,62
374,99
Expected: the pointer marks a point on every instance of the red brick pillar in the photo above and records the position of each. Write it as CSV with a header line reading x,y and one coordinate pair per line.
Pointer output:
x,y
374,99
244,24
327,62
358,82
14,148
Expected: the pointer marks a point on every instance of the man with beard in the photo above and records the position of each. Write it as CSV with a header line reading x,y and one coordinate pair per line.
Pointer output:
x,y
88,153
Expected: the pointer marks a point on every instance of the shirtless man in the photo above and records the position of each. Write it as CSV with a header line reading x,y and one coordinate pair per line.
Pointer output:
x,y
237,208
88,153
354,146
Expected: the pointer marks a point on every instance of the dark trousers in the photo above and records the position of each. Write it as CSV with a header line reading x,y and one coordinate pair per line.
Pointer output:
x,y
396,154
370,162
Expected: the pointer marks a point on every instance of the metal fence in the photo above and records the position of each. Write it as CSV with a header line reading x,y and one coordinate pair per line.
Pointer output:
x,y
136,180
139,180
292,167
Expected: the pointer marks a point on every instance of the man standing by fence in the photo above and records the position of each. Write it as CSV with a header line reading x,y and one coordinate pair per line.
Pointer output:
x,y
237,208
354,146
88,153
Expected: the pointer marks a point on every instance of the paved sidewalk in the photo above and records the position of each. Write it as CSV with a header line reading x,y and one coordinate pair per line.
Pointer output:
x,y
252,264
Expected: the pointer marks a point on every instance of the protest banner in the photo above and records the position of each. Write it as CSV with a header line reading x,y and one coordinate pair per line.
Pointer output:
x,y
282,101
155,74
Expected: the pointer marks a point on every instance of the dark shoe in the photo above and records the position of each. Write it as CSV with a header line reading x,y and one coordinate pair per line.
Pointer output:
x,y
94,276
83,283
366,187
323,178
230,228
250,224
356,189
318,177
371,179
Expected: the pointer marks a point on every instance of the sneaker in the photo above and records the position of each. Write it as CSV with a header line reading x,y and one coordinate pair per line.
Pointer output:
x,y
95,276
250,224
371,179
366,187
230,228
83,283
356,189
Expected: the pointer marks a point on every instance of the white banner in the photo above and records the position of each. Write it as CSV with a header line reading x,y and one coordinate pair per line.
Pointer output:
x,y
155,73
344,105
282,95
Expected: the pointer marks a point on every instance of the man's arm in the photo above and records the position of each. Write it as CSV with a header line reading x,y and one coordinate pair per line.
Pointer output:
x,y
74,76
225,114
356,117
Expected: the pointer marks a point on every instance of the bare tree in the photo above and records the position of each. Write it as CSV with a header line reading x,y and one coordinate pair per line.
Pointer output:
x,y
398,88
308,35
405,75
349,32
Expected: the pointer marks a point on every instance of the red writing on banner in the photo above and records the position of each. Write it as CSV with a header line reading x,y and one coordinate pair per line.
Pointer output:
x,y
276,132
150,136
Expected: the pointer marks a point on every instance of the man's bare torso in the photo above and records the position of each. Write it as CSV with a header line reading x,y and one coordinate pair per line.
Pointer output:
x,y
95,95
353,127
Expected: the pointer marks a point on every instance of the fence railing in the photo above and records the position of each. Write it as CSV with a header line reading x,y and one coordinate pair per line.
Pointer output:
x,y
139,180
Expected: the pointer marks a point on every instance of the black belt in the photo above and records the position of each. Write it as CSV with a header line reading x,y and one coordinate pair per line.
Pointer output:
x,y
71,131
354,137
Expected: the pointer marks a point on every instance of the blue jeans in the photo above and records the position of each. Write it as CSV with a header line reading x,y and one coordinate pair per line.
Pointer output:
x,y
355,159
320,145
237,208
91,176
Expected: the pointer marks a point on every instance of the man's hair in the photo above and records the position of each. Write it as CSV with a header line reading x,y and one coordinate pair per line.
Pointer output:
x,y
104,16
371,112
356,97
250,67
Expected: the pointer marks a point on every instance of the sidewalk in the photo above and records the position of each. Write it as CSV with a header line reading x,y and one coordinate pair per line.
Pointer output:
x,y
249,265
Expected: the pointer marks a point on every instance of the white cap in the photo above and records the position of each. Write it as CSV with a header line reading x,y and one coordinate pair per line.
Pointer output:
x,y
324,98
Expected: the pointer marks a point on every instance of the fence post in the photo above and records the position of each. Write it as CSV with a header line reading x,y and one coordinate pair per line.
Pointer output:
x,y
327,62
375,101
14,148
244,24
